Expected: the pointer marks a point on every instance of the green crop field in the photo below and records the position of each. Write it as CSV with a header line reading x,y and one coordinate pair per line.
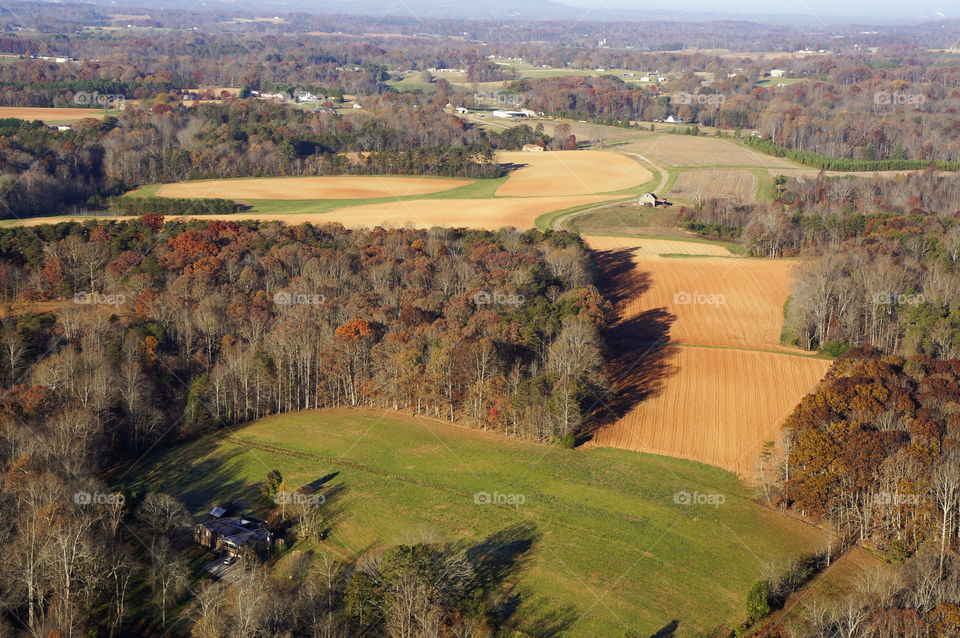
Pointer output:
x,y
611,549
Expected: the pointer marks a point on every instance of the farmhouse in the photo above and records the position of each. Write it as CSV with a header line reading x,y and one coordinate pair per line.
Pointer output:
x,y
513,114
649,199
532,148
231,535
776,73
462,111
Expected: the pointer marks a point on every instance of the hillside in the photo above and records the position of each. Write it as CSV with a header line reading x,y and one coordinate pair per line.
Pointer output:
x,y
610,550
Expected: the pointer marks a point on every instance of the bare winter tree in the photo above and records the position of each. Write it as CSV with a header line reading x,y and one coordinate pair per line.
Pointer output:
x,y
946,489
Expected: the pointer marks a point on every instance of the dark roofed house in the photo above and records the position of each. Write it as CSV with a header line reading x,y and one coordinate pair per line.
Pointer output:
x,y
231,535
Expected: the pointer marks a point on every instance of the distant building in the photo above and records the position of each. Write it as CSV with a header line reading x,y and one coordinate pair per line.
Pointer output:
x,y
776,73
513,114
649,199
462,111
357,106
532,148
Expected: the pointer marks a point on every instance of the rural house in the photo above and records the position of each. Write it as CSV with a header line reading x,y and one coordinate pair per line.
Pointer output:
x,y
532,148
231,535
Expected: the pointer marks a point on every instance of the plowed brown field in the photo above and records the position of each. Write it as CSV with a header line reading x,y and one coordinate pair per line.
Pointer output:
x,y
701,374
687,150
491,213
50,115
570,173
332,187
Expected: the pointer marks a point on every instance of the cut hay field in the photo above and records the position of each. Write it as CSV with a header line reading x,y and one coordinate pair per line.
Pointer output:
x,y
610,549
53,115
738,185
570,173
701,374
688,150
491,213
322,187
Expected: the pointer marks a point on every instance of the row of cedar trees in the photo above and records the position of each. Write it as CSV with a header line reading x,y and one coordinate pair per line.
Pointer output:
x,y
875,453
229,322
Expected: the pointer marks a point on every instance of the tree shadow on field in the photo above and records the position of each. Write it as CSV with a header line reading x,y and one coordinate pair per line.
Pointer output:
x,y
498,561
544,619
641,358
509,167
619,278
502,555
199,474
668,630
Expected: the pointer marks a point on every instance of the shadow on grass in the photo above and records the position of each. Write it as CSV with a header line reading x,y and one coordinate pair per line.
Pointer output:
x,y
668,630
498,560
200,475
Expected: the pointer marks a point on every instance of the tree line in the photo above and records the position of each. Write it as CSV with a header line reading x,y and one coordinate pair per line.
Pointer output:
x,y
43,171
154,331
881,258
874,453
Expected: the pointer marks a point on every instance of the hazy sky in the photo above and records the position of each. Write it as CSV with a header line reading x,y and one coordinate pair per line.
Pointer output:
x,y
867,10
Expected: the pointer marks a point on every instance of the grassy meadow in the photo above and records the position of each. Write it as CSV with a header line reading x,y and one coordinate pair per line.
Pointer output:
x,y
609,548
